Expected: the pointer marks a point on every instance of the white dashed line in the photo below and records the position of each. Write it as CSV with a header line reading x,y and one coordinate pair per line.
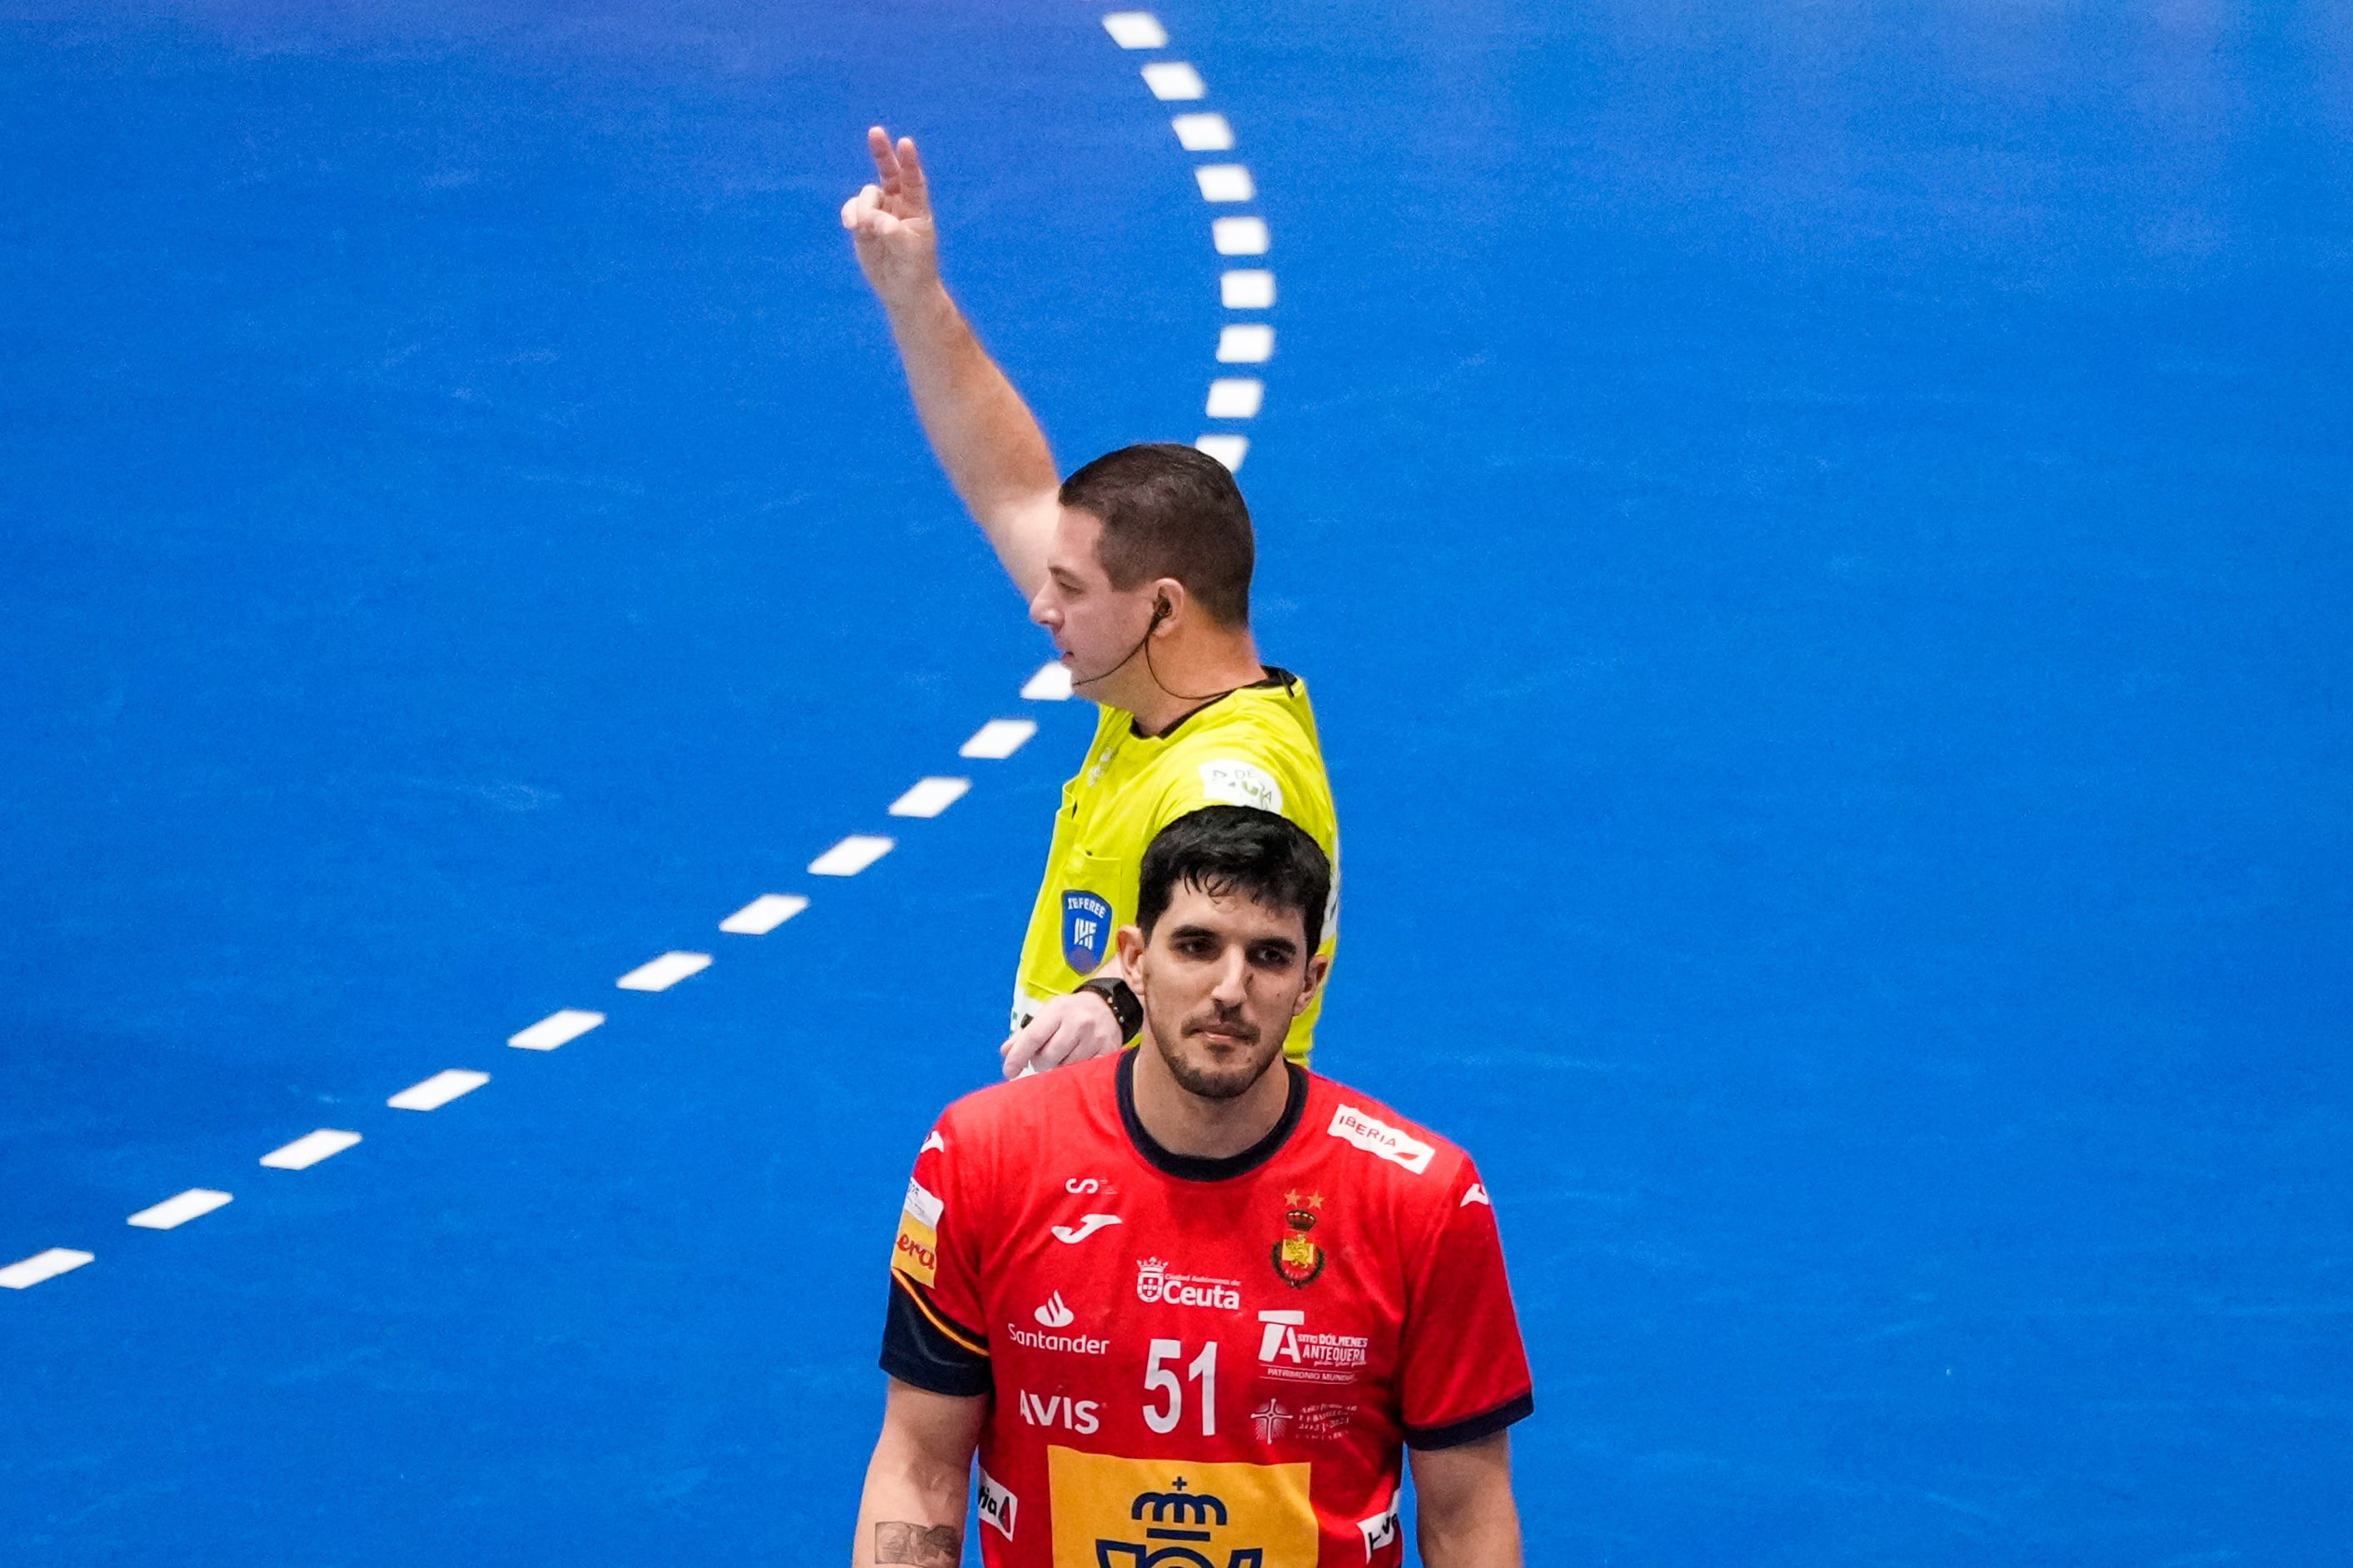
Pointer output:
x,y
1236,397
929,796
438,1090
1135,30
1238,236
174,1212
1203,132
556,1029
764,915
1224,182
28,1272
1247,342
998,739
1174,81
661,973
1231,397
1050,684
851,855
310,1148
1246,288
1228,450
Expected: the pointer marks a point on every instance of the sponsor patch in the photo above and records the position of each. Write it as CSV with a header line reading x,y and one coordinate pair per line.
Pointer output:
x,y
1086,931
1288,1352
1068,1344
1381,1529
934,1141
916,1254
1476,1193
1157,1286
997,1505
1374,1136
1129,1513
1083,1416
1238,783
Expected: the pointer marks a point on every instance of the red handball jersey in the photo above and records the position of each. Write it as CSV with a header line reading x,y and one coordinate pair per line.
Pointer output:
x,y
1199,1363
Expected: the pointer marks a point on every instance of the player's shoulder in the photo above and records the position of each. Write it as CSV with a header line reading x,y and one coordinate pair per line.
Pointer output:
x,y
1398,1153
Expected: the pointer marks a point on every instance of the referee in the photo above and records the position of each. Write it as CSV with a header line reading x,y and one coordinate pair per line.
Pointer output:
x,y
1139,567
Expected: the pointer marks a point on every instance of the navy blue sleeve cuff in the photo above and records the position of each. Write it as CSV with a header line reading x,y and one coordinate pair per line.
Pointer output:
x,y
916,1349
1486,1424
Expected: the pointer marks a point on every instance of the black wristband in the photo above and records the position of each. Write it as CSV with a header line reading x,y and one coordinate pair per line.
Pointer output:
x,y
1124,1008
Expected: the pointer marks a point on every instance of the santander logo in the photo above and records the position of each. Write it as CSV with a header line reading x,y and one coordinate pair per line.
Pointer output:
x,y
1056,1313
1088,1224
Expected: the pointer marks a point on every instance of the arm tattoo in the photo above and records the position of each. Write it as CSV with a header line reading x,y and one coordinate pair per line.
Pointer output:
x,y
926,1546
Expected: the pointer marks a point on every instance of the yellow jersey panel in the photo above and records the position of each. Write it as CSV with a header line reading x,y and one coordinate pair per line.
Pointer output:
x,y
1125,1511
1257,746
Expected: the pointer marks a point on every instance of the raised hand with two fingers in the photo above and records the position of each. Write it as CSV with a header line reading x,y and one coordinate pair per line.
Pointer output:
x,y
890,221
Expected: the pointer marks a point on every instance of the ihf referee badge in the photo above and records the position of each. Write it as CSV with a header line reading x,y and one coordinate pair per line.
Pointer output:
x,y
1086,931
1296,1256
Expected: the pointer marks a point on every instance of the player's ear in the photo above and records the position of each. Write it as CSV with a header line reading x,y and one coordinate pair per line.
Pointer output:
x,y
1318,967
1129,940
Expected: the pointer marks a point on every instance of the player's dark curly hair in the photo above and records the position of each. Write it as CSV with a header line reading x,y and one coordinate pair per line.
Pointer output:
x,y
1171,512
1223,849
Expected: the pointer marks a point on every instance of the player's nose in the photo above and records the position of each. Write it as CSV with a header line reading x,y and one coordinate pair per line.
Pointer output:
x,y
1233,978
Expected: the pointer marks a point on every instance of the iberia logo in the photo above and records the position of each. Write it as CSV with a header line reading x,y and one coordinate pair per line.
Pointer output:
x,y
1297,1259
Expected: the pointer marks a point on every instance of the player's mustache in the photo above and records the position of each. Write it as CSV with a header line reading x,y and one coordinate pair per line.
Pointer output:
x,y
1224,1023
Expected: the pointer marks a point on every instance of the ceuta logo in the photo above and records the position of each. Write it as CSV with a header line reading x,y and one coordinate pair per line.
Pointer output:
x,y
1056,1313
1088,1224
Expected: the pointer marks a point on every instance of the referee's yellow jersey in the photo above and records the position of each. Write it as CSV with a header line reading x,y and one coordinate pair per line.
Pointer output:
x,y
1255,746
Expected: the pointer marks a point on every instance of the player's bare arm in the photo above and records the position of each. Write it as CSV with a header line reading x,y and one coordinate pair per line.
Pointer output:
x,y
913,1510
1468,1517
984,436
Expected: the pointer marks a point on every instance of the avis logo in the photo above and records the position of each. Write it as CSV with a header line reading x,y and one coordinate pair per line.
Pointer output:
x,y
1080,1416
1056,1313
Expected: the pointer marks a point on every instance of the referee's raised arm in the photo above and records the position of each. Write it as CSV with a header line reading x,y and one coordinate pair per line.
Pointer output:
x,y
1138,567
984,436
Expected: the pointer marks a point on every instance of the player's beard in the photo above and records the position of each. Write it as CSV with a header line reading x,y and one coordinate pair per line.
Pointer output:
x,y
1211,1079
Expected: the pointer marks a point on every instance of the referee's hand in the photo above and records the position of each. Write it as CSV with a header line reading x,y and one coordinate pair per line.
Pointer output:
x,y
889,222
1066,1029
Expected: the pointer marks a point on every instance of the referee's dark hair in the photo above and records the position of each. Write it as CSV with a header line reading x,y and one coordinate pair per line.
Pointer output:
x,y
1223,849
1171,512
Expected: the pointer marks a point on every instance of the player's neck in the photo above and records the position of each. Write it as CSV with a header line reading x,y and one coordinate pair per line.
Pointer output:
x,y
1186,671
1184,1123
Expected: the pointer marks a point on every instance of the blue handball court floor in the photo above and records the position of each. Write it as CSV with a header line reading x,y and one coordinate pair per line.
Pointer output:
x,y
1818,533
